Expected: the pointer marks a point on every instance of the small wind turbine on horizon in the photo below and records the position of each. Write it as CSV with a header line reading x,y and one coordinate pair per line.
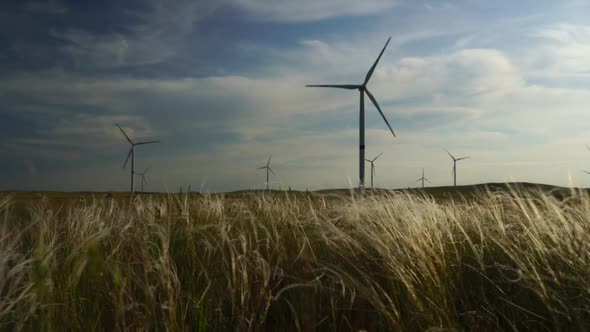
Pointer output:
x,y
267,167
423,179
372,161
362,89
143,180
454,171
131,155
587,147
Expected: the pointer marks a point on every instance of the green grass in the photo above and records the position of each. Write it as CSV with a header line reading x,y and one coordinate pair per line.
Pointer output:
x,y
501,259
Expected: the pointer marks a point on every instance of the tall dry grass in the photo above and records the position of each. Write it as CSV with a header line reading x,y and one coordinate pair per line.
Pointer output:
x,y
517,260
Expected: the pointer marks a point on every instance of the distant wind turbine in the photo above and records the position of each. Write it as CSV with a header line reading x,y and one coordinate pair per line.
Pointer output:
x,y
587,147
143,180
267,167
131,155
423,179
454,171
372,161
362,89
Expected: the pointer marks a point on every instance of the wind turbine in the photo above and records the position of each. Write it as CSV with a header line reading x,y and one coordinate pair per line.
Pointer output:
x,y
131,155
143,180
362,89
587,147
267,167
454,171
373,167
423,179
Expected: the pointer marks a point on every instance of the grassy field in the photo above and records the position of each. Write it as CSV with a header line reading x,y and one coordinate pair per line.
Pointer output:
x,y
490,258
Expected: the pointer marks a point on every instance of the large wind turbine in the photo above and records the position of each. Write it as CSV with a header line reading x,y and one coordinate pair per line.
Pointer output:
x,y
143,180
372,161
267,167
423,179
131,155
362,89
454,171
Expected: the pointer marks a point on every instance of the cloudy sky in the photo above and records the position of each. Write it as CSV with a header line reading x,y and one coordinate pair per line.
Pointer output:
x,y
221,84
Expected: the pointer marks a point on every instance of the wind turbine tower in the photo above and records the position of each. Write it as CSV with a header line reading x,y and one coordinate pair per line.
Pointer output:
x,y
131,155
372,161
362,88
267,167
454,171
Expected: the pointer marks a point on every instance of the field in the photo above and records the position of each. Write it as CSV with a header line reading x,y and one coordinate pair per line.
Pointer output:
x,y
498,257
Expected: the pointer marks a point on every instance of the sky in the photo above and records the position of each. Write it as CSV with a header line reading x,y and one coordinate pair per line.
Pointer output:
x,y
222,85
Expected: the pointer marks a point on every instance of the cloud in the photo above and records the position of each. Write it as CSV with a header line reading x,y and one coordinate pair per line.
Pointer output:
x,y
149,35
46,7
311,10
111,50
565,50
476,74
474,101
459,86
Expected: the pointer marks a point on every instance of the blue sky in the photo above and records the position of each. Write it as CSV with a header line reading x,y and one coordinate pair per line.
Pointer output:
x,y
221,84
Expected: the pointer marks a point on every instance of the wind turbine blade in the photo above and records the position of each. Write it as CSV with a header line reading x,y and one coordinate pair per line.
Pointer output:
x,y
128,156
586,172
269,157
462,158
263,167
148,142
427,180
127,137
339,86
588,147
370,73
374,170
270,169
379,155
420,179
379,109
369,160
147,169
449,153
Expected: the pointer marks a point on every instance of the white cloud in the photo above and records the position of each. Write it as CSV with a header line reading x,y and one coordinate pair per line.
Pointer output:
x,y
564,51
462,76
